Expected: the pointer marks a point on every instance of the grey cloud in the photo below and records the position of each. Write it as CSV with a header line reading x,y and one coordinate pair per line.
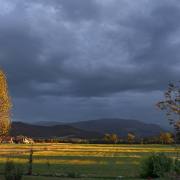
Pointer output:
x,y
88,49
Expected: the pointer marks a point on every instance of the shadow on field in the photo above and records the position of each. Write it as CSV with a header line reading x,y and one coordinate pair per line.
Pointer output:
x,y
66,171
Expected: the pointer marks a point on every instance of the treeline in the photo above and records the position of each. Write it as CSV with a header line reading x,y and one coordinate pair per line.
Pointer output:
x,y
163,138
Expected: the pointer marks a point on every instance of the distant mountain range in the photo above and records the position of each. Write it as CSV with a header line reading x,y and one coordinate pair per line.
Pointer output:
x,y
48,123
86,129
37,131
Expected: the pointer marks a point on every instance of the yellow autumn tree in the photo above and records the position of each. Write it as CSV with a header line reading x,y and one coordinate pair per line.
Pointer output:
x,y
5,106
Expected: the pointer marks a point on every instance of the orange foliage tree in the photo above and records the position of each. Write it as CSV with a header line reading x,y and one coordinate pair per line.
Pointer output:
x,y
5,106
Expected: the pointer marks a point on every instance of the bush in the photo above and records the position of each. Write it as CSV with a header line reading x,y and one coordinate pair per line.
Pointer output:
x,y
177,166
73,175
12,171
156,165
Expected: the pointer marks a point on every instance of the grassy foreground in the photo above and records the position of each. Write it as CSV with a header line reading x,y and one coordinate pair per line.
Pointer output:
x,y
87,161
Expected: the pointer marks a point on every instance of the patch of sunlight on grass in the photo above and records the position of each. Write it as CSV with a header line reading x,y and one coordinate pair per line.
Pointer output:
x,y
97,159
16,160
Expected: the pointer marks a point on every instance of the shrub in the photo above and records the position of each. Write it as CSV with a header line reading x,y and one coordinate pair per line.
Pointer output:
x,y
73,175
156,165
177,166
12,171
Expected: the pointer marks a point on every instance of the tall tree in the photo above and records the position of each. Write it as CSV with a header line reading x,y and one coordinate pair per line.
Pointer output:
x,y
111,138
166,138
171,104
5,106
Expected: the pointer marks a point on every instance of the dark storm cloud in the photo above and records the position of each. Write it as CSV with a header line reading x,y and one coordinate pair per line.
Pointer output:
x,y
85,50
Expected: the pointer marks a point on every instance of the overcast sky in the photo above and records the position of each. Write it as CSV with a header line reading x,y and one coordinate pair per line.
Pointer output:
x,y
70,60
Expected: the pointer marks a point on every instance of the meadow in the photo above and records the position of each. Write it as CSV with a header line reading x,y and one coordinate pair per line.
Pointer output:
x,y
83,161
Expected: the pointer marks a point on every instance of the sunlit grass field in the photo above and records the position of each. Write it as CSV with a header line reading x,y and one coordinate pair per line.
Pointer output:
x,y
89,161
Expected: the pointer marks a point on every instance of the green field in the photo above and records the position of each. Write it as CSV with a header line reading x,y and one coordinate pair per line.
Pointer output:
x,y
85,161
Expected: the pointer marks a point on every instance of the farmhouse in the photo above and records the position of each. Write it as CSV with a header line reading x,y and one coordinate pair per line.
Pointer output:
x,y
17,140
7,140
23,140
